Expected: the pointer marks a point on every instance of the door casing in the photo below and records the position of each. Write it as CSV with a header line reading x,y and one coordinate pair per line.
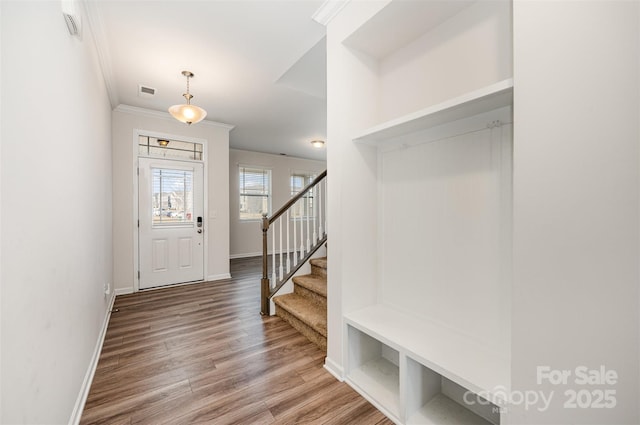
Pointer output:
x,y
134,176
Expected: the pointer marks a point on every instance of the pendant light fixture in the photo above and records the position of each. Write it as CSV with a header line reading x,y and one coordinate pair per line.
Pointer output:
x,y
188,113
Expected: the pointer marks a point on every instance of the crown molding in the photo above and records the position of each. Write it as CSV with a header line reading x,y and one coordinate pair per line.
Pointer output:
x,y
328,11
96,28
134,110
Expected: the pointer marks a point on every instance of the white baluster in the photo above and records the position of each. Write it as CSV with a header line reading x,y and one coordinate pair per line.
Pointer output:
x,y
288,252
295,243
301,200
314,212
326,229
273,258
320,230
308,232
281,269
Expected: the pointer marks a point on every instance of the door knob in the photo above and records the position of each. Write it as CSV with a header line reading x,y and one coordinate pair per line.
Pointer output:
x,y
199,230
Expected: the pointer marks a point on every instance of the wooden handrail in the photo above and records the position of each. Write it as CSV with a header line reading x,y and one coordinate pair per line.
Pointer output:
x,y
265,286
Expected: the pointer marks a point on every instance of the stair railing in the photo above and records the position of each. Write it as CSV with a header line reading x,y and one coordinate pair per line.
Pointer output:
x,y
302,221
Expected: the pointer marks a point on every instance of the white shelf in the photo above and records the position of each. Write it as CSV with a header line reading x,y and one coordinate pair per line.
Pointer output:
x,y
441,410
379,379
486,99
452,355
374,372
417,17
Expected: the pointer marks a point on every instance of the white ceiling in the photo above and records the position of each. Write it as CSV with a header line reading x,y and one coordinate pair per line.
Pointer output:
x,y
259,65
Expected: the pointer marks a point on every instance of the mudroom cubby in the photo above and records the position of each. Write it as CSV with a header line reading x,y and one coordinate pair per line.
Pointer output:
x,y
433,399
374,369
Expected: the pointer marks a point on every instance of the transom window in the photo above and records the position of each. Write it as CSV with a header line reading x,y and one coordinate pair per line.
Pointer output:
x,y
255,192
168,148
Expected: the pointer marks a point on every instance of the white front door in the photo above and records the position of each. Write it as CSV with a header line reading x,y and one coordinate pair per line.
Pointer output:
x,y
171,225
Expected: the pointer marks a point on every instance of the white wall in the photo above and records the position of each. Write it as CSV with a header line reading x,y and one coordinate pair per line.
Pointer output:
x,y
56,212
575,293
246,235
445,208
1,133
352,96
125,121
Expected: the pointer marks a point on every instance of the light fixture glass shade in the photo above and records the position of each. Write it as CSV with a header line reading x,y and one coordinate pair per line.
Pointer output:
x,y
189,114
318,144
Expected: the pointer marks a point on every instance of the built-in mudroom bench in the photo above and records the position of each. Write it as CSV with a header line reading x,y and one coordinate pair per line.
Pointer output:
x,y
421,373
426,335
427,352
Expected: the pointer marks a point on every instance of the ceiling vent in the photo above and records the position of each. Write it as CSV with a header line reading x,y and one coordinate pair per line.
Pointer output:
x,y
145,91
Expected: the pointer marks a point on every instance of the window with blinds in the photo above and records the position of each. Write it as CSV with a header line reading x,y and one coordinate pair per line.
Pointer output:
x,y
172,196
304,207
255,192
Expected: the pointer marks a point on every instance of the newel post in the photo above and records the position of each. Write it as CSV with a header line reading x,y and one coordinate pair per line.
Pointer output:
x,y
264,283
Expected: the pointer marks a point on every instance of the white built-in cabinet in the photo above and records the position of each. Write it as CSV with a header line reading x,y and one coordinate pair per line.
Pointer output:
x,y
433,346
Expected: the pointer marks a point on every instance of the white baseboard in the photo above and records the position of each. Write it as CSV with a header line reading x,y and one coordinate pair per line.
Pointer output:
x,y
123,291
334,369
76,414
221,276
250,254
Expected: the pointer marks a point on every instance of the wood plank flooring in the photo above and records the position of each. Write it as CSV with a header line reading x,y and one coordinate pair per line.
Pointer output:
x,y
203,354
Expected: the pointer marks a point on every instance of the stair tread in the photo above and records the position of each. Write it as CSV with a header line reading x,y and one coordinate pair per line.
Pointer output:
x,y
319,262
312,282
305,310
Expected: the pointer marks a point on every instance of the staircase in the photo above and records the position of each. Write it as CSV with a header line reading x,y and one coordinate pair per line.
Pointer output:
x,y
306,307
290,239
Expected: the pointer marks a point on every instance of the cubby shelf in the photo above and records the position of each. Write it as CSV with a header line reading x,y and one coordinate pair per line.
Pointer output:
x,y
380,380
486,99
460,359
442,410
374,371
